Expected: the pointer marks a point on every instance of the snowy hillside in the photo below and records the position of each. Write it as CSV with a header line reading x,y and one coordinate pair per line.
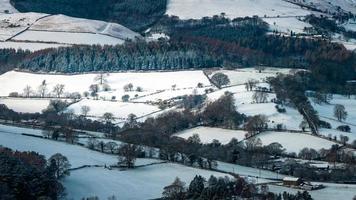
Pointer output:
x,y
84,182
280,15
36,31
5,6
150,82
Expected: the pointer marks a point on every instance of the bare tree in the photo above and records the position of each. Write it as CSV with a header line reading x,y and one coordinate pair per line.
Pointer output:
x,y
58,90
250,84
101,78
128,154
112,146
253,143
256,124
85,110
59,164
42,89
260,68
94,89
27,91
260,97
340,112
128,87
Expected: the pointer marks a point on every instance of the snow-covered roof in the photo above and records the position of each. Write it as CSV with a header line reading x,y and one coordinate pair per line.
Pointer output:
x,y
291,179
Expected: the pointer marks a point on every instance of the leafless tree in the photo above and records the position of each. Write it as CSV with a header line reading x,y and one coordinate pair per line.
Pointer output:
x,y
27,91
340,112
85,110
260,97
101,78
128,154
42,89
112,146
58,90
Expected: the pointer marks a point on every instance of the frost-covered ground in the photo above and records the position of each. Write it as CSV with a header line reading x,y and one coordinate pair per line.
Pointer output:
x,y
67,38
286,25
32,28
332,191
244,104
141,183
150,81
120,110
280,15
13,24
233,8
25,105
326,113
294,142
241,76
31,46
6,6
331,6
207,134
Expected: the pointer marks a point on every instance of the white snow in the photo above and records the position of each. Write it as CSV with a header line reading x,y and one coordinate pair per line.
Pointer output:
x,y
5,5
68,38
208,134
62,23
286,25
60,29
332,191
31,46
233,8
13,24
120,110
294,142
150,81
25,105
141,183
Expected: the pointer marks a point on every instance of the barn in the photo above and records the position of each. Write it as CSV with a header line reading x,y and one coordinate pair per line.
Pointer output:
x,y
291,181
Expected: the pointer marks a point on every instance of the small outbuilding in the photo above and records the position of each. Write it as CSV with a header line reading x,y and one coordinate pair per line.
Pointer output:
x,y
291,181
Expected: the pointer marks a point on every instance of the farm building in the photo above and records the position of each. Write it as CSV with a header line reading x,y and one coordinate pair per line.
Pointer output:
x,y
291,181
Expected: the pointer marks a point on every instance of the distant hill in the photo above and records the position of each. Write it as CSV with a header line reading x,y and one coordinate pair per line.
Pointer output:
x,y
134,14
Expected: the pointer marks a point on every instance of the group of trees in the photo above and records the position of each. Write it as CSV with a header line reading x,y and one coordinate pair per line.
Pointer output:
x,y
28,175
130,56
224,188
43,91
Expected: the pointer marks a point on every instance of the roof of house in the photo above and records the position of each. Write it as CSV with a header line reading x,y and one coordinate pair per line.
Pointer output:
x,y
291,179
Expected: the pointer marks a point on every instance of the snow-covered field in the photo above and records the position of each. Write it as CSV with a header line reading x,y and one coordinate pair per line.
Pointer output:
x,y
68,38
6,6
280,15
241,76
25,105
31,46
233,8
286,25
140,183
13,24
332,191
294,142
207,134
150,81
59,29
120,110
244,104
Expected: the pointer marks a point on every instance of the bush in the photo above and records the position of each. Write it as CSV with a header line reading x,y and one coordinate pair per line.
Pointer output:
x,y
324,124
344,128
